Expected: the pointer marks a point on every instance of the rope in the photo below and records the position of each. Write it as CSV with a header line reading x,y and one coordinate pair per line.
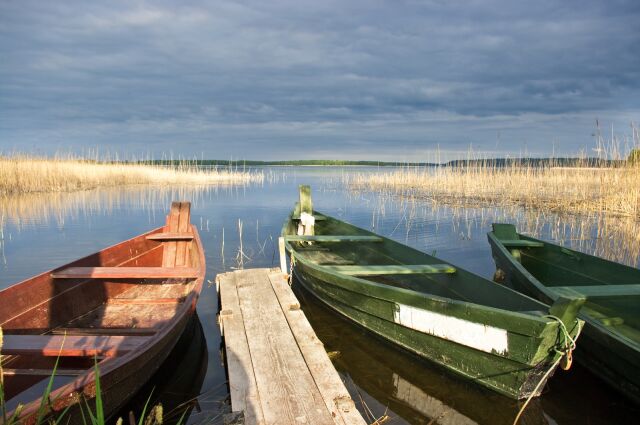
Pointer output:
x,y
535,390
291,264
568,345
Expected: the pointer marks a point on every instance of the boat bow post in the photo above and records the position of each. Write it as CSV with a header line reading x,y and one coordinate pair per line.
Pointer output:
x,y
565,310
307,220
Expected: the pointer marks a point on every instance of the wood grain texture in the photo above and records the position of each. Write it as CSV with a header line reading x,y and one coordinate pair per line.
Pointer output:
x,y
125,273
334,393
277,366
170,247
170,236
242,383
184,218
288,391
70,346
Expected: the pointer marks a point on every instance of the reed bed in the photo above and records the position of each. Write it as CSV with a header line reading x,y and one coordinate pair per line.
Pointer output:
x,y
27,174
611,190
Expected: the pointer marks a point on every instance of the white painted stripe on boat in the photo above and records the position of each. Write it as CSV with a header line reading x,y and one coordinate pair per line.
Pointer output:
x,y
475,335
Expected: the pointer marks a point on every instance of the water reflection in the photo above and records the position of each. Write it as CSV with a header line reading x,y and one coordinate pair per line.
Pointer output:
x,y
178,382
414,391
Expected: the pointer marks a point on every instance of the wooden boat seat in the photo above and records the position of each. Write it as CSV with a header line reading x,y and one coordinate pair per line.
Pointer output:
x,y
600,291
69,345
103,331
333,238
315,216
393,269
521,243
170,236
125,273
43,372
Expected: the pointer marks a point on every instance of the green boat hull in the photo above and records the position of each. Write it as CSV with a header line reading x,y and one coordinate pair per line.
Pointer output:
x,y
484,332
610,342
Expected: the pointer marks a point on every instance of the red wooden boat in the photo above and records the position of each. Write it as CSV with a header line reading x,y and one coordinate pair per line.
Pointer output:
x,y
123,307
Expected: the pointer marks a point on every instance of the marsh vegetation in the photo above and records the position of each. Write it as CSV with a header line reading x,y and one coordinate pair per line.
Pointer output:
x,y
29,174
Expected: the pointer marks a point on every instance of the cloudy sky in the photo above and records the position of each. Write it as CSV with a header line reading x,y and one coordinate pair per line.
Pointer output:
x,y
316,79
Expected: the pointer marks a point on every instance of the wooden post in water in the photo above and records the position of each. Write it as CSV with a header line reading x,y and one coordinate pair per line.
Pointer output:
x,y
283,255
306,204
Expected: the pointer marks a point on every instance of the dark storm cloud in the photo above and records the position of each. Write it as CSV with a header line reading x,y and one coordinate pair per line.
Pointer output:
x,y
306,79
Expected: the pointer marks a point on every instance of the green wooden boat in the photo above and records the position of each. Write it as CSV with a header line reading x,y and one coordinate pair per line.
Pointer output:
x,y
483,331
610,345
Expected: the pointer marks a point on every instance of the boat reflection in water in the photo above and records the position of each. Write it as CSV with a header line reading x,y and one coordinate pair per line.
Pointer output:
x,y
416,392
413,391
178,382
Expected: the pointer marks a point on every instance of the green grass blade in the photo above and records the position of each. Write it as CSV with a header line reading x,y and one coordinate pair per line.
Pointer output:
x,y
99,407
44,401
182,417
93,418
144,409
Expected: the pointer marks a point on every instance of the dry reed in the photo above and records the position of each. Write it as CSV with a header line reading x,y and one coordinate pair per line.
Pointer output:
x,y
27,174
612,190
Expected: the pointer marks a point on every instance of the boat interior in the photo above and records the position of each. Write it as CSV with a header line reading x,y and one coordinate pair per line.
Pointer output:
x,y
347,249
97,308
574,273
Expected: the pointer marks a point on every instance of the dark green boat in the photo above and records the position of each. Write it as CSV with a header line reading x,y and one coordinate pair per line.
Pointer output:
x,y
485,332
610,345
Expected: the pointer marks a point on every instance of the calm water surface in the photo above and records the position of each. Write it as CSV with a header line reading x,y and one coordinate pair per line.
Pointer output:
x,y
239,227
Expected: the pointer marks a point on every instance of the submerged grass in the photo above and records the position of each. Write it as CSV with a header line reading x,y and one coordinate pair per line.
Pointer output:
x,y
28,174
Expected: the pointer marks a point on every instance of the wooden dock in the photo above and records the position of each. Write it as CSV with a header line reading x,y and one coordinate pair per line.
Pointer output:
x,y
278,370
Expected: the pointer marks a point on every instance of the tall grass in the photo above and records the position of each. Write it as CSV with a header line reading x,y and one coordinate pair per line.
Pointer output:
x,y
614,190
608,183
27,174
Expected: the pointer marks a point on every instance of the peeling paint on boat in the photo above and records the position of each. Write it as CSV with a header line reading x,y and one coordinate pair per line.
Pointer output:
x,y
476,335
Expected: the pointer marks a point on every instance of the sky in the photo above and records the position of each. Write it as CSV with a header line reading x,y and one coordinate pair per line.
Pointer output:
x,y
379,80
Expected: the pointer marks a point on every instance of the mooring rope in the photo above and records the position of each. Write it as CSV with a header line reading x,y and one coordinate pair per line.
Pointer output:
x,y
568,345
291,264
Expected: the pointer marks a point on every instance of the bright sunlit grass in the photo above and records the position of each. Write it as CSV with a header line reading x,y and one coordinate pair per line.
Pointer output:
x,y
27,174
561,189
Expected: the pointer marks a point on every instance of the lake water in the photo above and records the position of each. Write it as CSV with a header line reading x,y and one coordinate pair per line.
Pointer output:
x,y
239,227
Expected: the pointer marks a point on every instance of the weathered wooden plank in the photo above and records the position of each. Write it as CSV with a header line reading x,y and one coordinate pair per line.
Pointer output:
x,y
599,290
169,253
170,236
283,255
42,372
145,300
103,331
242,383
306,204
392,269
290,393
332,238
521,243
331,387
125,273
184,218
70,346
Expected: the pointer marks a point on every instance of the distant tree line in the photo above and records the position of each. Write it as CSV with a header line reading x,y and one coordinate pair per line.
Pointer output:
x,y
634,157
